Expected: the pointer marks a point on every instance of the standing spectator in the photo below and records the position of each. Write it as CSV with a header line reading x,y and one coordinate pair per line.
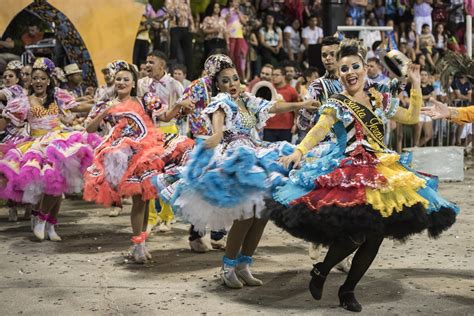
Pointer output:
x,y
156,14
74,80
7,46
309,75
391,38
33,36
271,42
425,125
350,34
142,42
180,73
312,8
379,11
292,43
265,75
356,9
441,39
181,26
279,127
463,95
214,28
456,17
312,35
391,11
374,71
440,12
106,92
142,71
290,75
237,46
370,37
422,14
254,60
25,76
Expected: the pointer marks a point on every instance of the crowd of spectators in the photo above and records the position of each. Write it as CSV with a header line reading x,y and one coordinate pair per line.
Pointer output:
x,y
269,39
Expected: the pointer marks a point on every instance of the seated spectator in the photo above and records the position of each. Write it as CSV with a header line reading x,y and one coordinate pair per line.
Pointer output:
x,y
391,37
271,42
33,36
7,54
179,73
440,12
374,71
106,92
312,35
427,43
293,45
74,80
441,39
350,34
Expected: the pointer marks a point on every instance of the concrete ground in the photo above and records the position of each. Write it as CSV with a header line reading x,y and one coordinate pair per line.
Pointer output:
x,y
85,273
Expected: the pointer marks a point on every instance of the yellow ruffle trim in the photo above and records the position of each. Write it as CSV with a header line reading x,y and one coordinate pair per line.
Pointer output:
x,y
401,189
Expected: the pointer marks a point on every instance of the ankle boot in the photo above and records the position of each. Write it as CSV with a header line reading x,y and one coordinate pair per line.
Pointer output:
x,y
348,301
317,282
34,219
40,226
145,235
138,253
12,214
228,276
50,231
243,272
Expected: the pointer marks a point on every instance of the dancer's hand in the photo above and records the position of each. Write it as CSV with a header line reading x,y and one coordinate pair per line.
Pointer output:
x,y
310,105
293,159
413,74
187,106
438,111
213,141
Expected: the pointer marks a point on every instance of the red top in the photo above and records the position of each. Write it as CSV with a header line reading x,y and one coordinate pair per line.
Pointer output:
x,y
284,120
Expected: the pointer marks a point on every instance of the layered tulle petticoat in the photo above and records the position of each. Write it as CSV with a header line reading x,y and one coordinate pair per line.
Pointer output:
x,y
228,183
363,189
231,181
127,159
51,164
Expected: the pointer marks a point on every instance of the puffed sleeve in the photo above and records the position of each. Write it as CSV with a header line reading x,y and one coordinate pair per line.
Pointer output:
x,y
17,110
224,102
64,99
258,107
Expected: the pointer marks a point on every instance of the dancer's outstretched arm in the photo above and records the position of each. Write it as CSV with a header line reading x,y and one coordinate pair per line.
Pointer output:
x,y
412,114
315,135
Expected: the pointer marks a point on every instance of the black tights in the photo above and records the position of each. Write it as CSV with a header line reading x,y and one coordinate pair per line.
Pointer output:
x,y
368,247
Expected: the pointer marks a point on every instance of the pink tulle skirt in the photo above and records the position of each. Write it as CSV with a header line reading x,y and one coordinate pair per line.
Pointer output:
x,y
52,164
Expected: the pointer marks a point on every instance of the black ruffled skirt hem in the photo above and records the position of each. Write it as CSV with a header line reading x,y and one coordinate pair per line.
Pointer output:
x,y
332,223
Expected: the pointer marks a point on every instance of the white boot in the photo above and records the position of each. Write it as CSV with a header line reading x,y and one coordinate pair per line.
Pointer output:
x,y
243,271
139,254
51,232
12,214
228,276
315,251
39,228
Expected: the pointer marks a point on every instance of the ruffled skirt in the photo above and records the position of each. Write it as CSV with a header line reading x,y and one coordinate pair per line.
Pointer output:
x,y
366,193
228,183
52,164
123,166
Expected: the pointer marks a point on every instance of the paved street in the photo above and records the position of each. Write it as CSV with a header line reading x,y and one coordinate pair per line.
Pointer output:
x,y
85,273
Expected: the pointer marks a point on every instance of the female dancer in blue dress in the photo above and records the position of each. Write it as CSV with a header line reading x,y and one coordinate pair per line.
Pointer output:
x,y
360,193
226,186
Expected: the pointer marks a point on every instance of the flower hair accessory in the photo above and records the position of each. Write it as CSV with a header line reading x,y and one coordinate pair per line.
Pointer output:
x,y
44,64
216,63
14,65
120,65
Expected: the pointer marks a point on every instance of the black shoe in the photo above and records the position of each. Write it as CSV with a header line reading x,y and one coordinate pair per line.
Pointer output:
x,y
317,282
348,301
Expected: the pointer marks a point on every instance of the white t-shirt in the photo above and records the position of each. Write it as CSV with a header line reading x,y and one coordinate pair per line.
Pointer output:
x,y
295,39
312,35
